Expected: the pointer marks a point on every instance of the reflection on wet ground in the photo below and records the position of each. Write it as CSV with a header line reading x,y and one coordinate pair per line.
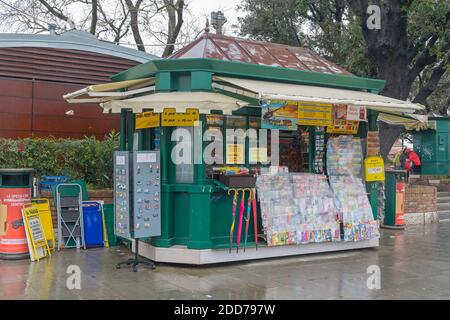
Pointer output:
x,y
414,264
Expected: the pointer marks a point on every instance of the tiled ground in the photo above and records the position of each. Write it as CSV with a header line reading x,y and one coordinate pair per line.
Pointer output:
x,y
415,264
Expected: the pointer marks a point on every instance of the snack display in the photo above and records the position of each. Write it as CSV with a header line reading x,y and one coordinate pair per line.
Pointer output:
x,y
297,209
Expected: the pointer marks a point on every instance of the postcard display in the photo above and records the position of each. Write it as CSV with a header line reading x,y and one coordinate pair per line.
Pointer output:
x,y
344,165
300,208
297,208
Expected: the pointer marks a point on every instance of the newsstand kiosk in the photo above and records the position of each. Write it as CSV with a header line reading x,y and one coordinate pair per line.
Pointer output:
x,y
327,117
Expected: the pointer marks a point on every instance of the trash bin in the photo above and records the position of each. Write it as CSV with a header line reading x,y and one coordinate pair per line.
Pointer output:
x,y
16,187
395,199
93,224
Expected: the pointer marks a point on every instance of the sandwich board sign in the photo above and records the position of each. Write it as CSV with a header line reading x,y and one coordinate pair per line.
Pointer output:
x,y
37,243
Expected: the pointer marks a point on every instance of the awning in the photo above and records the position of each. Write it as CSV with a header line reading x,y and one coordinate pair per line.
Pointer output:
x,y
204,101
410,122
264,90
108,91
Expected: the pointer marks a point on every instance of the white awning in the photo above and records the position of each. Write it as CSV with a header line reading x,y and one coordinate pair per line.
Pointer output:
x,y
410,121
204,101
265,90
103,92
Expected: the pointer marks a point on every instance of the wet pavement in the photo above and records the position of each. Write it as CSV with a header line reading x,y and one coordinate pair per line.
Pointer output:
x,y
414,264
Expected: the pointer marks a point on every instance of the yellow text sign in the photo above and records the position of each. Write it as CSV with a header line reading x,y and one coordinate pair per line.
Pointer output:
x,y
235,154
37,243
374,169
147,120
343,126
314,114
257,155
170,118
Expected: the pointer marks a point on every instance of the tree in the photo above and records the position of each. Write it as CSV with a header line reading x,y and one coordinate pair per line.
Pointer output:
x,y
410,51
174,10
115,20
413,40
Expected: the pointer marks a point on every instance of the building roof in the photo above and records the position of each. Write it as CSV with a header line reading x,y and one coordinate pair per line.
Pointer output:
x,y
73,40
223,47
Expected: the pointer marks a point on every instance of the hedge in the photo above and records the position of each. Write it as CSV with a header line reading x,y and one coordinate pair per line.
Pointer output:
x,y
89,159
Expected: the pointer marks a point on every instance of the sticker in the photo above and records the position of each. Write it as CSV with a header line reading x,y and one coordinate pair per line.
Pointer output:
x,y
120,160
146,157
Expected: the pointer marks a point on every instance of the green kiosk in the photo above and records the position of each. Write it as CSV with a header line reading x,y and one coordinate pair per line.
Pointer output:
x,y
196,205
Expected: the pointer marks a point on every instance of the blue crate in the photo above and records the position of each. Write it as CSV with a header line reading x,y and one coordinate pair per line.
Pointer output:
x,y
47,182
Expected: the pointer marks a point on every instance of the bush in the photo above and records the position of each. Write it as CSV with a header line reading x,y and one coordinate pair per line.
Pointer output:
x,y
88,159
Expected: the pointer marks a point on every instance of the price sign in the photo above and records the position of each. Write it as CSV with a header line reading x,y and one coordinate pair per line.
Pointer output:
x,y
374,169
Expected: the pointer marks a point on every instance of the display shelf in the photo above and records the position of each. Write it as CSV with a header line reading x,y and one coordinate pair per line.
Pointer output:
x,y
182,255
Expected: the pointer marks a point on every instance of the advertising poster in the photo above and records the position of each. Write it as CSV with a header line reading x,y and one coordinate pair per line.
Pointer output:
x,y
147,120
281,115
314,114
349,113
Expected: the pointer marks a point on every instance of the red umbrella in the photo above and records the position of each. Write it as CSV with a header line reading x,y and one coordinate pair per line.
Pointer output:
x,y
233,214
241,216
247,218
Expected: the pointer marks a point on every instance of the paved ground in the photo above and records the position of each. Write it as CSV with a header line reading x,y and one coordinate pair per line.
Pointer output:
x,y
415,264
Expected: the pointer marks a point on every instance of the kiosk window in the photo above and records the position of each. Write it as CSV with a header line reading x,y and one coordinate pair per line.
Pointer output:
x,y
184,172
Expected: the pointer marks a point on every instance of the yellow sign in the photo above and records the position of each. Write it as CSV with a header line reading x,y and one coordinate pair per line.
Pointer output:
x,y
43,206
314,114
170,118
257,155
374,169
37,243
235,154
147,120
343,126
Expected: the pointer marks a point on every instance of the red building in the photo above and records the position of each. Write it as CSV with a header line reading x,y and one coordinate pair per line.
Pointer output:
x,y
37,70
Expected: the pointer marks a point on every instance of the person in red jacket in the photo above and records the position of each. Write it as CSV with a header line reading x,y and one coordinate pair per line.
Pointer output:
x,y
412,160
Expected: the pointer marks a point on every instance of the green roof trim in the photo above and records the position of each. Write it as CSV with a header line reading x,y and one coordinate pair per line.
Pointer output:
x,y
247,70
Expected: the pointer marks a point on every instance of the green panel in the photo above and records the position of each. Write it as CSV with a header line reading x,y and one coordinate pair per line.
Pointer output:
x,y
239,69
181,81
199,221
163,81
433,149
181,218
123,130
201,80
131,123
372,189
108,210
389,210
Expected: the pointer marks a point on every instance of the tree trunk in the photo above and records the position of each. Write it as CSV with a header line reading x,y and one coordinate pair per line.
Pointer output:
x,y
175,14
388,46
94,17
134,23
